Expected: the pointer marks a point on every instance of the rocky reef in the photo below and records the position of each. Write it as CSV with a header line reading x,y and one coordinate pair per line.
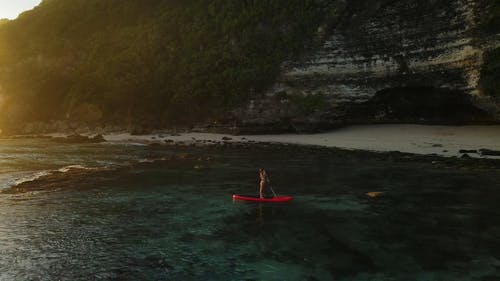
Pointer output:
x,y
385,62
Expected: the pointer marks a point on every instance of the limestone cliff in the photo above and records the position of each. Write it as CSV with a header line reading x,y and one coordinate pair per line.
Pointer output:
x,y
385,61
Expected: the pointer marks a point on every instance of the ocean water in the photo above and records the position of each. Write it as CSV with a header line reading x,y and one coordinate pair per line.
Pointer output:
x,y
160,213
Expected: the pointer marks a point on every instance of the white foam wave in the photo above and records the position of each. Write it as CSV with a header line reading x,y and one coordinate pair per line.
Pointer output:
x,y
31,177
69,167
151,160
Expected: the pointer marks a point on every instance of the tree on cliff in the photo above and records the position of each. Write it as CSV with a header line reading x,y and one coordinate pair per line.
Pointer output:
x,y
154,61
490,73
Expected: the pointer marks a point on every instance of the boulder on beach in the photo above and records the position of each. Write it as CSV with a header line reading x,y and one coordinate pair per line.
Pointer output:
x,y
467,151
489,152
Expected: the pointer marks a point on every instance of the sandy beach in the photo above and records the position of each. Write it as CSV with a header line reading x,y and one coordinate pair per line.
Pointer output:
x,y
417,139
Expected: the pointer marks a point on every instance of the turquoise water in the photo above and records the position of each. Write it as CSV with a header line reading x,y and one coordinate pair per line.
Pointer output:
x,y
166,214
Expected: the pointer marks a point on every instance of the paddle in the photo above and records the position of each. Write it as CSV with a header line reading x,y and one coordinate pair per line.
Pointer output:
x,y
274,193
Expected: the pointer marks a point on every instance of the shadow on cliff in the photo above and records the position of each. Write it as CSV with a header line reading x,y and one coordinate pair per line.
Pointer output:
x,y
421,105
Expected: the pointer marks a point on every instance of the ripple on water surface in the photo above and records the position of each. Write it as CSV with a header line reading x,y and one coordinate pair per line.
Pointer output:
x,y
175,220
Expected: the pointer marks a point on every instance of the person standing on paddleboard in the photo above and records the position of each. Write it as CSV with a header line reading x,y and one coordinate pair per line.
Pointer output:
x,y
264,181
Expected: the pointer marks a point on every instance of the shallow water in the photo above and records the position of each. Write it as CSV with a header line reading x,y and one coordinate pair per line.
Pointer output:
x,y
175,219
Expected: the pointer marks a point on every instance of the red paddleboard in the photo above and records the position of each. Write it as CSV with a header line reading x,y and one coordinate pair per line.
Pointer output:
x,y
253,198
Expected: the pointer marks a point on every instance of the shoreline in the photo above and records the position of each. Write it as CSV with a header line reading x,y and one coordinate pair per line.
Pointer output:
x,y
188,145
53,180
475,141
447,141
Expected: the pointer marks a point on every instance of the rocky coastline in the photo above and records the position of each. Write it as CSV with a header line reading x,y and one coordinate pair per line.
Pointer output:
x,y
448,141
188,153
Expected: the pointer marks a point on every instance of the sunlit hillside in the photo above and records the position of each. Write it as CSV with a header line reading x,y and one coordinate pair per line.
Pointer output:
x,y
147,62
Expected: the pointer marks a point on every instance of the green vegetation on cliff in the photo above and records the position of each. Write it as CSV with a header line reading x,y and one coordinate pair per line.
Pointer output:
x,y
147,62
490,74
491,21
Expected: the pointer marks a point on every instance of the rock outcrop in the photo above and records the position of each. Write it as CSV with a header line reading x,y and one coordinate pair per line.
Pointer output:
x,y
386,61
76,138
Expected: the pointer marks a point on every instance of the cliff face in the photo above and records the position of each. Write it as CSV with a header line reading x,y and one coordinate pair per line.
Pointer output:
x,y
386,61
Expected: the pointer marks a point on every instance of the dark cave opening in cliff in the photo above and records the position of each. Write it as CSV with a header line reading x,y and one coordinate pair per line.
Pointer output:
x,y
423,105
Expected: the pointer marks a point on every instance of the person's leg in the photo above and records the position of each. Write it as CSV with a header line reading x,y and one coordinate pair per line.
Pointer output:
x,y
261,191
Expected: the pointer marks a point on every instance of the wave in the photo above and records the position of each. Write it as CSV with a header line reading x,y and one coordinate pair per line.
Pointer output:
x,y
152,160
17,179
31,177
39,180
66,169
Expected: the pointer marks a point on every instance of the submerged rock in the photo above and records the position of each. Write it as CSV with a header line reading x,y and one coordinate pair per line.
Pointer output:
x,y
374,194
154,144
